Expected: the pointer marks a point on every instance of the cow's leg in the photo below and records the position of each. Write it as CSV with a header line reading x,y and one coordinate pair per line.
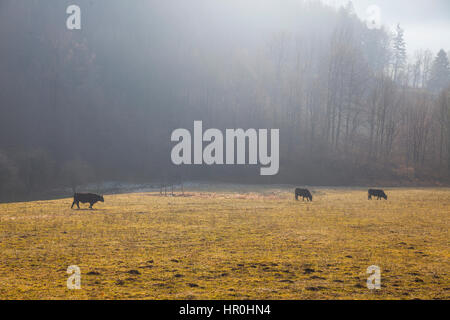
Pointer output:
x,y
91,204
296,197
73,203
369,197
78,204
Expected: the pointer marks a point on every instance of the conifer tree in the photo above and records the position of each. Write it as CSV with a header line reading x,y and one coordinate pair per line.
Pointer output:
x,y
440,73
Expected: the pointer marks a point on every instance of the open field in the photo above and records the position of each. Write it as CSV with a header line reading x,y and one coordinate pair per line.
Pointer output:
x,y
229,243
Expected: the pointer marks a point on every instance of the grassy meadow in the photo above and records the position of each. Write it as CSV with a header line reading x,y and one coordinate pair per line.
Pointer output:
x,y
230,242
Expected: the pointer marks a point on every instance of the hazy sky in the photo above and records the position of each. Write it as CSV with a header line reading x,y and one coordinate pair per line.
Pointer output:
x,y
426,22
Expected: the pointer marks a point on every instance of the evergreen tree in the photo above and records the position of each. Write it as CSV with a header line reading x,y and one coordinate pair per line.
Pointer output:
x,y
399,53
440,73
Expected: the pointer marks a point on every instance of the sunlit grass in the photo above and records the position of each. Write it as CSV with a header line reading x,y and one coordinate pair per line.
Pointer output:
x,y
229,243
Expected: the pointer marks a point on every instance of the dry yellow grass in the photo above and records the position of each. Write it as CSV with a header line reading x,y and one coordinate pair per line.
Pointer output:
x,y
229,243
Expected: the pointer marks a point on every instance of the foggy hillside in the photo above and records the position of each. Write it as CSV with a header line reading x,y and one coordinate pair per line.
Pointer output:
x,y
352,104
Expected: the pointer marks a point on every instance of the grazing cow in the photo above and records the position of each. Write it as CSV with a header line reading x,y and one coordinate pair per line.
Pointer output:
x,y
303,193
86,198
377,193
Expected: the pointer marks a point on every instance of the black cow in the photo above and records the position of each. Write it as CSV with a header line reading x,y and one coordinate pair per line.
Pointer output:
x,y
303,193
377,193
86,198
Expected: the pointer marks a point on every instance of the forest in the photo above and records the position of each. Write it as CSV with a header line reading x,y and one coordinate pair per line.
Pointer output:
x,y
352,104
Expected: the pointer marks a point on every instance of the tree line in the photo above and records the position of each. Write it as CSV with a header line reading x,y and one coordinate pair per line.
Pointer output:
x,y
353,106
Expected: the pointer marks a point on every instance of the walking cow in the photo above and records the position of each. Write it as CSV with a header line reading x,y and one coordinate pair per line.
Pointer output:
x,y
86,198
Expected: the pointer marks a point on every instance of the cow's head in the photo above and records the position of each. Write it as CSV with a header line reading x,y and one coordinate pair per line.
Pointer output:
x,y
384,196
101,199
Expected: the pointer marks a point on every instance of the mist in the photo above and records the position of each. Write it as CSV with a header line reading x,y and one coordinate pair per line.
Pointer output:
x,y
354,105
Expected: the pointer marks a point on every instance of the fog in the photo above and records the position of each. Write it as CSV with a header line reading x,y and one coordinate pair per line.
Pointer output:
x,y
426,23
353,105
